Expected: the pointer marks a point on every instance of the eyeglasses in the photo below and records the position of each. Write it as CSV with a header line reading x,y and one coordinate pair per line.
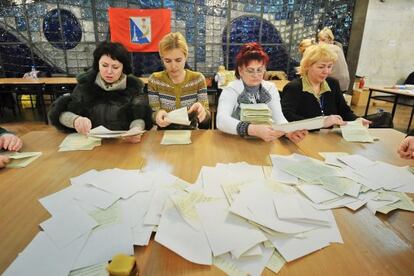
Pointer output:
x,y
252,71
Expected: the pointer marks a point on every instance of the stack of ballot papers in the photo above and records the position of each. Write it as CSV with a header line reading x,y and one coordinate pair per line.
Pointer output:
x,y
20,159
77,141
355,131
176,137
239,217
255,113
309,124
179,116
103,132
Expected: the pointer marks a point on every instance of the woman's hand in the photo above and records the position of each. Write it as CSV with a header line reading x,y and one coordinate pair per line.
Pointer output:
x,y
333,120
199,109
297,136
406,149
82,125
10,142
161,118
4,160
135,138
365,122
265,132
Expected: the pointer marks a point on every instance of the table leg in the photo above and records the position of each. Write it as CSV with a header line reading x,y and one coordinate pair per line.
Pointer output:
x,y
394,107
411,119
369,99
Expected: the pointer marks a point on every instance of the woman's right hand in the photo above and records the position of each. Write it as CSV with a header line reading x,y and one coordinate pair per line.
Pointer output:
x,y
265,132
4,160
82,125
333,120
161,118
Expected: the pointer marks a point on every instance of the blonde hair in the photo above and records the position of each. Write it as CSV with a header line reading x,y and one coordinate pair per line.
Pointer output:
x,y
313,54
173,41
305,43
327,34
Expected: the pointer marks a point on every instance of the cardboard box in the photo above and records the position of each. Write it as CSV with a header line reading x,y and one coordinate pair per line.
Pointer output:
x,y
360,97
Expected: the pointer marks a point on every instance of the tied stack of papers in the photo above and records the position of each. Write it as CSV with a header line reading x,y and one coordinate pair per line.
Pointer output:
x,y
103,132
309,124
256,113
21,159
355,132
176,137
179,116
77,141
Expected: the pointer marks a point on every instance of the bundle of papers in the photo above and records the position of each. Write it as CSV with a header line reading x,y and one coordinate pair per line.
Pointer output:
x,y
355,131
176,137
309,124
77,141
255,113
179,116
103,132
21,159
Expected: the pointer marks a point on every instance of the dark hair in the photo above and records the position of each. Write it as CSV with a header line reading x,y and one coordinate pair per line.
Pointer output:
x,y
248,52
116,51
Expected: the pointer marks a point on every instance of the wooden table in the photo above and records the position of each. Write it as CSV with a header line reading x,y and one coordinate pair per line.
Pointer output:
x,y
372,244
396,94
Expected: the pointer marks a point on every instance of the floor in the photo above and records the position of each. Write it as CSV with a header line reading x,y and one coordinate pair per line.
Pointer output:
x,y
29,119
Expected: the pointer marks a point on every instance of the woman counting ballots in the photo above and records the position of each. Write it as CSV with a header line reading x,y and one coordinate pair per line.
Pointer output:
x,y
105,95
315,93
250,88
177,87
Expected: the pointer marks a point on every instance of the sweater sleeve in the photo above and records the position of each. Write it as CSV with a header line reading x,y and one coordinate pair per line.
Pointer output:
x,y
227,103
3,131
153,96
290,102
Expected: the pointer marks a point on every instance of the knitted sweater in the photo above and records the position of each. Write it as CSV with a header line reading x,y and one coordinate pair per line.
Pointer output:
x,y
166,95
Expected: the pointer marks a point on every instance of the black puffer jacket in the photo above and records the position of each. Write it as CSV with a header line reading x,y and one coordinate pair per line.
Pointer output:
x,y
113,109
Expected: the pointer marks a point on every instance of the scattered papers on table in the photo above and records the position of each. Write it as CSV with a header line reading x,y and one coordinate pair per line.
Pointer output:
x,y
77,141
103,132
309,124
176,137
355,131
21,159
179,116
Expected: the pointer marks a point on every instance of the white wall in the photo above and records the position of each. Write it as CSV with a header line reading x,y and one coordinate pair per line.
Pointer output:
x,y
387,49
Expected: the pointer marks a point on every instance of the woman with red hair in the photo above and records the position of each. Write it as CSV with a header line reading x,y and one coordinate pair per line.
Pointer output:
x,y
250,88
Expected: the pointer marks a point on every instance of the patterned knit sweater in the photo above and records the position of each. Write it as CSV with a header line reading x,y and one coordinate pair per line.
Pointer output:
x,y
166,95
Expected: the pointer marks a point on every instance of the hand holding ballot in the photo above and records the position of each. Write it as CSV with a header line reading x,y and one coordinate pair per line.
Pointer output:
x,y
82,125
132,136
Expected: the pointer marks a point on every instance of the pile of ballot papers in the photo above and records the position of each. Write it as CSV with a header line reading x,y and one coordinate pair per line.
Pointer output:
x,y
77,141
239,217
256,113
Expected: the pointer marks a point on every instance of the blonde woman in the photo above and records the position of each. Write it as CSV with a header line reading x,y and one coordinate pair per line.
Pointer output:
x,y
177,87
340,68
305,43
316,94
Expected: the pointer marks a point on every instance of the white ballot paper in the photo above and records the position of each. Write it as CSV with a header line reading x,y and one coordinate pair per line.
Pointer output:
x,y
309,124
103,132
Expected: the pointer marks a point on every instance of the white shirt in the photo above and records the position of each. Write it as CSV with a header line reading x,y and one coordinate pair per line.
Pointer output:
x,y
228,103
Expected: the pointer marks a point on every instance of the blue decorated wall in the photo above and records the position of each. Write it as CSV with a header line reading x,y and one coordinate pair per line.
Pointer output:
x,y
59,36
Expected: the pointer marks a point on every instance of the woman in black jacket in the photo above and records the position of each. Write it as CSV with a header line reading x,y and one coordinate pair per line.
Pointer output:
x,y
315,94
105,95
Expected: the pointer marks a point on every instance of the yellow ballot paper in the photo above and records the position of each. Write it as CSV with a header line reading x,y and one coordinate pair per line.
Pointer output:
x,y
179,116
355,132
176,137
77,141
21,159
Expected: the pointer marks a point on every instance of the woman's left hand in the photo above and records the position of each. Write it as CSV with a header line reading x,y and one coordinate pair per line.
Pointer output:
x,y
297,136
201,112
133,139
365,122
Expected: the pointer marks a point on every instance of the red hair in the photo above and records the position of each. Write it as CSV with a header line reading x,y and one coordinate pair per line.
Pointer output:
x,y
248,52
